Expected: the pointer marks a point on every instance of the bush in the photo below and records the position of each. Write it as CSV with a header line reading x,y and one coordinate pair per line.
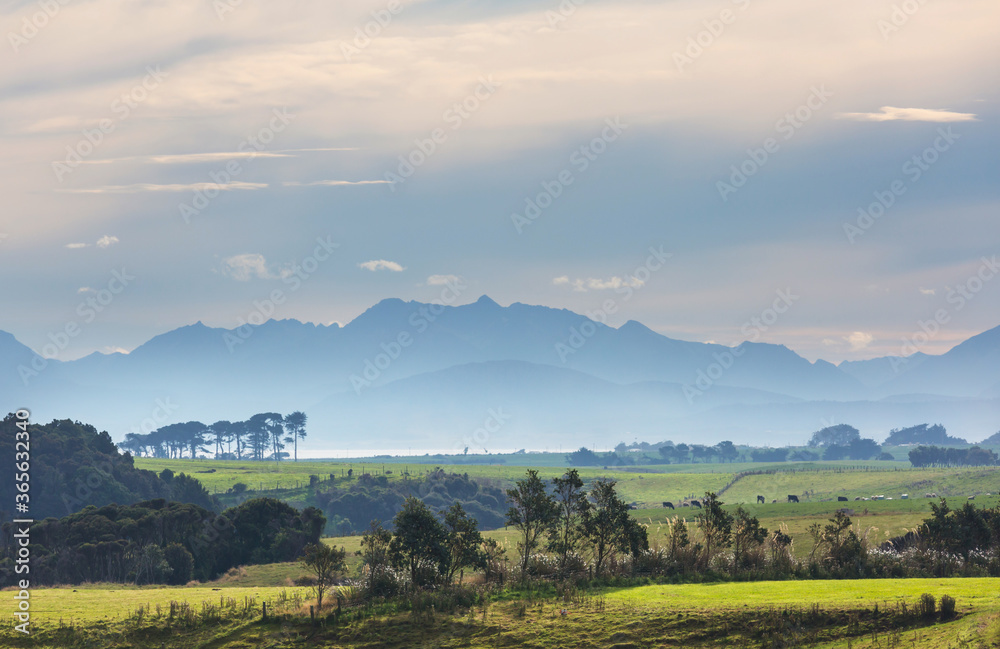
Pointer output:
x,y
927,605
947,607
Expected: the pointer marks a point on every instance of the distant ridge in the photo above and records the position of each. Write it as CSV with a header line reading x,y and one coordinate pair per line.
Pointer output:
x,y
410,370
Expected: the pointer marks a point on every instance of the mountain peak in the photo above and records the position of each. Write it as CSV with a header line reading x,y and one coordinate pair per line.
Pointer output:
x,y
485,300
634,326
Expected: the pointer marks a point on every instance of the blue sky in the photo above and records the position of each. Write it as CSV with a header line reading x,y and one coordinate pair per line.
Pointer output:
x,y
115,114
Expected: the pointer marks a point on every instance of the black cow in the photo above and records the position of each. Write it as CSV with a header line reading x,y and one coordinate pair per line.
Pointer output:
x,y
842,499
760,500
668,505
695,503
793,499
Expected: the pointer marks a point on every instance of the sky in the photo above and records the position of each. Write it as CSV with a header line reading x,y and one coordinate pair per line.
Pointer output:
x,y
823,175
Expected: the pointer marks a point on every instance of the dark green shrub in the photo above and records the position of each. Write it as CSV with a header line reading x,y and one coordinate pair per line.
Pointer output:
x,y
927,605
947,607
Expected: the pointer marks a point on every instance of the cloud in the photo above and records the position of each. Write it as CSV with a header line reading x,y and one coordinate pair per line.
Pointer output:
x,y
382,264
211,156
336,183
859,340
85,289
74,246
106,241
927,291
245,267
441,280
149,187
595,284
892,114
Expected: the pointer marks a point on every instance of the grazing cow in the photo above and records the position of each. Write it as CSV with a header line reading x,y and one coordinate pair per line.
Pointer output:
x,y
793,499
685,504
760,500
857,498
972,497
695,503
668,505
841,499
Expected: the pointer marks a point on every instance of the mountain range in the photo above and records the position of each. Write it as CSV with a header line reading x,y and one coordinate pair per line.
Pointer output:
x,y
484,376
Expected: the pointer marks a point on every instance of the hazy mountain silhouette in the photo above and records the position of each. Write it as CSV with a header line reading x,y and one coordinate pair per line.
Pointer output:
x,y
413,371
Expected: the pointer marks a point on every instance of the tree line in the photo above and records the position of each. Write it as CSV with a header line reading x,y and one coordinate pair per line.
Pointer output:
x,y
161,542
263,436
73,465
923,456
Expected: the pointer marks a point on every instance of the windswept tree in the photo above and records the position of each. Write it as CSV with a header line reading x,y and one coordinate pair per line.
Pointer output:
x,y
607,526
267,433
295,424
566,534
532,512
220,432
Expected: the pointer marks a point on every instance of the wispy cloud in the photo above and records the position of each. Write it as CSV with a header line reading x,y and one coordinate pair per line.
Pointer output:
x,y
859,340
104,242
441,280
150,187
892,113
245,267
335,183
85,289
927,291
211,156
381,264
595,284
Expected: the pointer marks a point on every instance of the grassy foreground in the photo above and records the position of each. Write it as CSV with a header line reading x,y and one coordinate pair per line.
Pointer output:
x,y
863,613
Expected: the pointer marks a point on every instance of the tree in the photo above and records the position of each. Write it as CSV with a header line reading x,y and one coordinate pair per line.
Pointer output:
x,y
607,526
324,562
565,534
716,526
295,423
220,431
844,548
583,457
532,512
193,437
747,534
418,537
727,451
463,540
667,452
680,453
375,556
840,435
922,434
863,449
836,452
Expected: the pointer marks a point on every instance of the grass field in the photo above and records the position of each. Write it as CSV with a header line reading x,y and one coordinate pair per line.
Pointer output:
x,y
94,602
647,485
823,614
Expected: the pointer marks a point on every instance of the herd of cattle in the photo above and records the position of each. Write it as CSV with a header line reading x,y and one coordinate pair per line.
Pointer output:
x,y
792,498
